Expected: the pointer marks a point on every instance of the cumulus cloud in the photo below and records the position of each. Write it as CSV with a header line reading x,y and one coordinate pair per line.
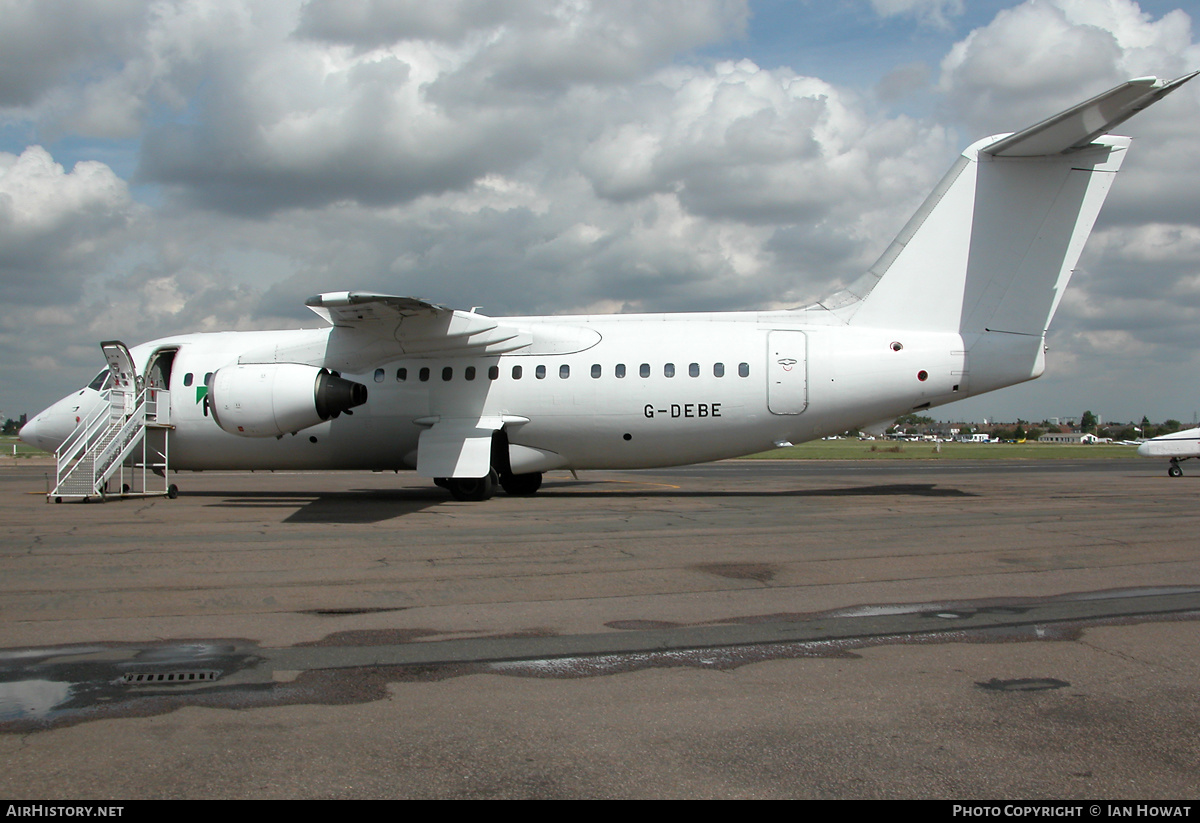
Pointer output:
x,y
383,102
932,12
371,23
43,41
1044,55
533,157
533,43
55,224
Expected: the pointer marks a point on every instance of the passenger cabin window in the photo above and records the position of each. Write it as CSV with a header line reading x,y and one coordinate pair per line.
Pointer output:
x,y
644,371
743,369
516,372
447,373
493,372
694,370
379,375
596,370
469,373
718,369
564,371
540,372
401,374
423,374
187,379
668,370
619,371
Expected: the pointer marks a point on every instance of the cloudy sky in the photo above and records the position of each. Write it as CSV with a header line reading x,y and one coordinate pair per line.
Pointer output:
x,y
187,165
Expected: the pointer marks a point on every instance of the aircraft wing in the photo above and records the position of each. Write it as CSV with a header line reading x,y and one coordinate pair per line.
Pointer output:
x,y
351,308
419,327
372,329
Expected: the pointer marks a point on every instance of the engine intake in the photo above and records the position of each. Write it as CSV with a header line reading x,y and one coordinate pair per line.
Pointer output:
x,y
273,399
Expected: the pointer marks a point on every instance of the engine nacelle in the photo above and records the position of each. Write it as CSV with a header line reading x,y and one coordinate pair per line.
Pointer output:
x,y
272,399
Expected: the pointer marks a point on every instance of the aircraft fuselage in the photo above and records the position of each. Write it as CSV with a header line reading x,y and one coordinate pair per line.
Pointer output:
x,y
637,391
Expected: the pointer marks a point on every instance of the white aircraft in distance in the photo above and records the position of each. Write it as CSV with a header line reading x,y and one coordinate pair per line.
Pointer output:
x,y
1179,446
958,305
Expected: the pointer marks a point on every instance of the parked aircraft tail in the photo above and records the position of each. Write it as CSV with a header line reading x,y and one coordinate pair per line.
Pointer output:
x,y
993,247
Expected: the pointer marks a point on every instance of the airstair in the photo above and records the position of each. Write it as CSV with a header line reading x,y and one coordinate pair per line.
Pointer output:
x,y
121,448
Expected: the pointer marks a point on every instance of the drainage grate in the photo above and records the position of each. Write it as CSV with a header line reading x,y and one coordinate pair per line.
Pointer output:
x,y
197,676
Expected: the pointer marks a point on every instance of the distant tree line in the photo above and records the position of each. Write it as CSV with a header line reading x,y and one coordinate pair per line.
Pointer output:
x,y
1025,430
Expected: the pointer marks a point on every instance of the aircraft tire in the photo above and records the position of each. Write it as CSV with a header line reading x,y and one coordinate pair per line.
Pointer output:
x,y
1175,471
521,485
472,489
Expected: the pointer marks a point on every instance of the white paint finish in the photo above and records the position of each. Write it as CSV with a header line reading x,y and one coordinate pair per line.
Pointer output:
x,y
1178,444
958,305
457,448
787,372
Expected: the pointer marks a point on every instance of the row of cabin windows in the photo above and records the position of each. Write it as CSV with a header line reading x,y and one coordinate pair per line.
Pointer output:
x,y
493,372
564,371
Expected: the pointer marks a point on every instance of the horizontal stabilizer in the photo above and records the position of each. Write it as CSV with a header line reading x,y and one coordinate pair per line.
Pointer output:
x,y
1079,125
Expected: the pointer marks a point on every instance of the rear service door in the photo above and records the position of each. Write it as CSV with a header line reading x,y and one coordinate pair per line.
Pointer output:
x,y
787,372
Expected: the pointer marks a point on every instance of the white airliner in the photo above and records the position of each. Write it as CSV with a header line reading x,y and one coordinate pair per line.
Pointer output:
x,y
1179,446
958,305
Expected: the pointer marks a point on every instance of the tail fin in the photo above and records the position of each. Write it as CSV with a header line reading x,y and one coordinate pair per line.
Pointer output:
x,y
994,245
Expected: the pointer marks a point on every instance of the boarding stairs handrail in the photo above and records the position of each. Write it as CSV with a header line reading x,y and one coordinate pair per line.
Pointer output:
x,y
76,456
99,446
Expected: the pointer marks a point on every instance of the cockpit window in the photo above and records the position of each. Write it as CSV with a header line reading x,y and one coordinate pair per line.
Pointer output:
x,y
101,381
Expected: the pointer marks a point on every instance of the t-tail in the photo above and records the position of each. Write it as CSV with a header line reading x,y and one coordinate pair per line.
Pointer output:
x,y
991,250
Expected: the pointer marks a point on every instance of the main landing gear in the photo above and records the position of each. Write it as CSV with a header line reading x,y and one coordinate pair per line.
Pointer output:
x,y
482,488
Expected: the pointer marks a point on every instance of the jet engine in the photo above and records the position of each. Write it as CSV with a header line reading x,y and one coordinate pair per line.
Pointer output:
x,y
273,399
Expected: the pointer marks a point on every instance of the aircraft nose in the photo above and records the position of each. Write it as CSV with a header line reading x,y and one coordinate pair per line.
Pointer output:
x,y
1144,449
50,428
34,433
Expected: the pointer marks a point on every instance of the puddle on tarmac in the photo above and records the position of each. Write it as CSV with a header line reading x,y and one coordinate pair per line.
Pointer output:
x,y
47,688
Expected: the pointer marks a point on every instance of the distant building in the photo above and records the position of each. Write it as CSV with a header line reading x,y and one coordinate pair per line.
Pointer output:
x,y
1068,437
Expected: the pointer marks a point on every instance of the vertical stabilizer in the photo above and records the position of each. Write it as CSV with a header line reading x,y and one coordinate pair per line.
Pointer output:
x,y
993,247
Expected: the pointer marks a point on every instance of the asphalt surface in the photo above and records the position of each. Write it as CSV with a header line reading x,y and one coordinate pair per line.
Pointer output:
x,y
874,629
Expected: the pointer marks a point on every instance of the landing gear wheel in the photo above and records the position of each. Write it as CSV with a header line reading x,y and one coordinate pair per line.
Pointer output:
x,y
1175,471
472,489
172,491
521,485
